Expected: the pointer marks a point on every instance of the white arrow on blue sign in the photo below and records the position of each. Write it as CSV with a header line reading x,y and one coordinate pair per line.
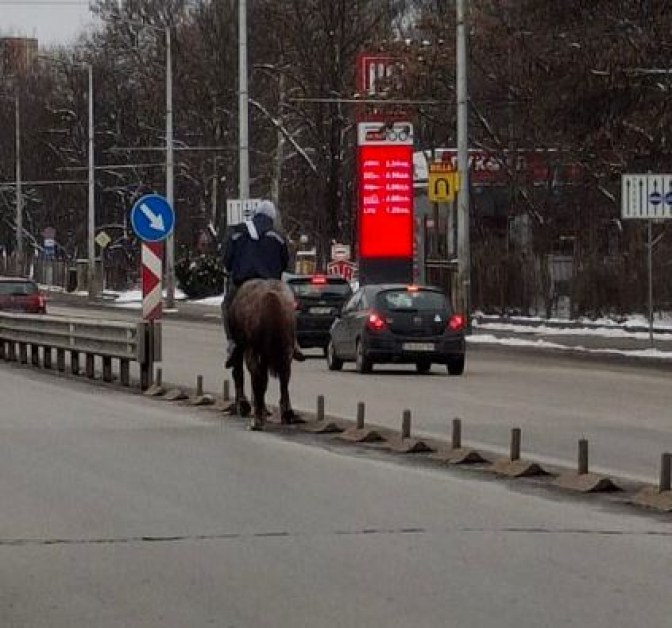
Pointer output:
x,y
152,218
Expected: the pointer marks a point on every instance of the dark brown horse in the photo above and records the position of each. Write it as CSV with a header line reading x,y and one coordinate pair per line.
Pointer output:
x,y
263,325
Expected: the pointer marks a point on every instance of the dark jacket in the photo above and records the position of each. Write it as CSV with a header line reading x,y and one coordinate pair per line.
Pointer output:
x,y
246,258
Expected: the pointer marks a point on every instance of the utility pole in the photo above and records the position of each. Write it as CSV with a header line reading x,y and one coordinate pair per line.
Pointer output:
x,y
463,297
243,105
92,274
19,195
170,166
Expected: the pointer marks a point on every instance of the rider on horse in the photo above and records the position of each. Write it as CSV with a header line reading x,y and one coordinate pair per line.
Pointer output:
x,y
254,250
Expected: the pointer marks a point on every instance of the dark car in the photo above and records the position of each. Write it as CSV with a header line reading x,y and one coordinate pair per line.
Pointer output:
x,y
319,299
21,295
395,323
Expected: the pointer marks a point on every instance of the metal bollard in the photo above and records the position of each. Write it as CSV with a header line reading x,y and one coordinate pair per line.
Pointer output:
x,y
158,380
199,385
583,456
515,444
665,472
406,424
226,390
457,434
361,409
320,407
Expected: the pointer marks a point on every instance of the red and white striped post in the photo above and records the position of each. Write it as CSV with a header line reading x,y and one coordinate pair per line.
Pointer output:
x,y
152,286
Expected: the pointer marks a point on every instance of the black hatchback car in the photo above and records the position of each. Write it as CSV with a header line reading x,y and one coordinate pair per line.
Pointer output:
x,y
402,324
319,299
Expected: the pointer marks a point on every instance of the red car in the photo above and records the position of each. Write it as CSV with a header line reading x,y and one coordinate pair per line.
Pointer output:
x,y
21,295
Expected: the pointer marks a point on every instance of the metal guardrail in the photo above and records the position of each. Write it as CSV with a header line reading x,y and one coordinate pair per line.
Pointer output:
x,y
92,338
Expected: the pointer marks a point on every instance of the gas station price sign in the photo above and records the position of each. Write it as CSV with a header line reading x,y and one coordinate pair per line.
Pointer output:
x,y
385,159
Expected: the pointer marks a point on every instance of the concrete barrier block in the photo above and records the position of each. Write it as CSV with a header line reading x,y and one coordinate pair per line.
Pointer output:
x,y
652,497
176,394
365,435
517,468
202,400
155,391
461,455
586,483
400,445
322,427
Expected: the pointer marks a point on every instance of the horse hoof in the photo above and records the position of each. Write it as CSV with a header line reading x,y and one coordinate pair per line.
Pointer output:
x,y
244,408
256,425
289,417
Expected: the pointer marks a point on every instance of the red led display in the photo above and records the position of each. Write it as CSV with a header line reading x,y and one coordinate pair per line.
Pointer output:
x,y
385,201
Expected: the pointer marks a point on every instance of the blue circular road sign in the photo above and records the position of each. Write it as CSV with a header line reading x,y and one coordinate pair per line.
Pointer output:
x,y
152,218
655,198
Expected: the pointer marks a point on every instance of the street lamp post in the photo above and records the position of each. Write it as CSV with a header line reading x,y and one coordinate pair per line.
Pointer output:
x,y
19,195
170,160
92,286
170,165
243,105
463,250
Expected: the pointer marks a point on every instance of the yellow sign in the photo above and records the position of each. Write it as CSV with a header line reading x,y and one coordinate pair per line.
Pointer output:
x,y
102,239
443,183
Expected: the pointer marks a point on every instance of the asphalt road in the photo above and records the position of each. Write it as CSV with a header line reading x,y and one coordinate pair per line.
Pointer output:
x,y
623,409
119,511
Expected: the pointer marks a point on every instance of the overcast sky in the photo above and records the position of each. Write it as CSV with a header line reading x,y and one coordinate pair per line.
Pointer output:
x,y
53,22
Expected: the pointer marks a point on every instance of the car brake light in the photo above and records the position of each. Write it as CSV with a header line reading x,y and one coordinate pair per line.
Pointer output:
x,y
319,279
456,322
412,288
375,322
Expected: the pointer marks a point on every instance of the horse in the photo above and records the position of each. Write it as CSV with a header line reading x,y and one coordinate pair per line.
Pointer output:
x,y
263,325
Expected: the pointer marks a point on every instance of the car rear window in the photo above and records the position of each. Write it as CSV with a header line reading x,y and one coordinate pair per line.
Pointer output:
x,y
413,300
18,288
328,287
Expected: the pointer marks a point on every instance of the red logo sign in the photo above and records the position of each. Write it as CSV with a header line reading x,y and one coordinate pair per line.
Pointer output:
x,y
385,201
343,268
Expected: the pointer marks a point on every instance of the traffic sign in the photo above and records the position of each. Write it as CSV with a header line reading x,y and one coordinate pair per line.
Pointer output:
x,y
443,182
646,196
238,211
152,273
340,252
103,240
152,218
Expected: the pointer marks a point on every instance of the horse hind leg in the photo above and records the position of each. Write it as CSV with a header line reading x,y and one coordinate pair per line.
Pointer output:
x,y
242,405
259,386
287,414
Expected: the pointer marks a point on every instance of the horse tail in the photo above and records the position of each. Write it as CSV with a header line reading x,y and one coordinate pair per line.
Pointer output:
x,y
277,328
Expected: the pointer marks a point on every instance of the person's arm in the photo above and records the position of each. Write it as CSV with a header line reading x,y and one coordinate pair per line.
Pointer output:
x,y
285,256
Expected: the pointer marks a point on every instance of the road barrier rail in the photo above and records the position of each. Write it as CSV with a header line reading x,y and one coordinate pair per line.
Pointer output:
x,y
33,338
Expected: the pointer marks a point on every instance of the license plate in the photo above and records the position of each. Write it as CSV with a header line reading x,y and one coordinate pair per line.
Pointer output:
x,y
418,346
320,310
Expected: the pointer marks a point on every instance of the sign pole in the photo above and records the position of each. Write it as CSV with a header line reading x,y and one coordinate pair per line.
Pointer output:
x,y
650,272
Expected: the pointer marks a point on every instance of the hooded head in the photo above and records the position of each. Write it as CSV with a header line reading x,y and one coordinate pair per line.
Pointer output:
x,y
266,208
